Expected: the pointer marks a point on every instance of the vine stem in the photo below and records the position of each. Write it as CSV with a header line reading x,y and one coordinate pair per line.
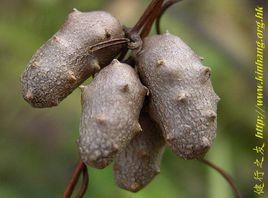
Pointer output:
x,y
144,18
155,13
163,10
227,177
144,23
80,167
84,185
109,43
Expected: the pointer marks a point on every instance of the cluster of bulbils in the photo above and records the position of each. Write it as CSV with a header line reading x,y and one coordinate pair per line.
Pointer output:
x,y
116,124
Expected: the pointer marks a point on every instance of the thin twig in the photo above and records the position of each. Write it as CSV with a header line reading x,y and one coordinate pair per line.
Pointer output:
x,y
84,185
142,26
109,43
70,188
163,10
227,177
148,26
143,19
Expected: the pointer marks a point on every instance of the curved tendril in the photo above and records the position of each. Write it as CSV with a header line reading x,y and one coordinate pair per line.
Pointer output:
x,y
80,167
108,43
147,13
166,5
84,185
227,177
148,26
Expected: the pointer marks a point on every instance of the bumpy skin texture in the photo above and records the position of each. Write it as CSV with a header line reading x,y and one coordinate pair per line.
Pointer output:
x,y
66,60
139,162
111,106
182,99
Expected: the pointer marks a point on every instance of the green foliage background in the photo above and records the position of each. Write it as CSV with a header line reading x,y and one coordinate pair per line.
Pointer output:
x,y
38,148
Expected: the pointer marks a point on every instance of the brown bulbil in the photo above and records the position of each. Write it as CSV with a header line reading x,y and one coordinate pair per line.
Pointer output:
x,y
109,115
139,162
182,100
66,60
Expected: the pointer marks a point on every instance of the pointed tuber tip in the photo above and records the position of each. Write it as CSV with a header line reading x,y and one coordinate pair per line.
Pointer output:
x,y
125,88
115,61
211,115
182,96
101,119
71,77
160,62
29,95
135,186
138,127
82,87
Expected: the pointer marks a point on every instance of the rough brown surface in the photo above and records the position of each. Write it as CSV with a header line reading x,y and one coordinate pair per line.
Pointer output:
x,y
139,162
111,106
182,100
65,60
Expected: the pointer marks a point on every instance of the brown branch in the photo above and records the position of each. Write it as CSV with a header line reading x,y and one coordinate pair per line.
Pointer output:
x,y
163,10
227,177
84,185
148,26
109,43
147,13
142,27
80,167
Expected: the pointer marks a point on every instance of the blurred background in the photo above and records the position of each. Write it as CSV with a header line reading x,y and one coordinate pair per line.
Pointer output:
x,y
38,150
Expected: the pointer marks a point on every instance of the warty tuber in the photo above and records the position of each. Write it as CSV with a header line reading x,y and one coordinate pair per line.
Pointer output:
x,y
111,106
68,58
137,165
182,99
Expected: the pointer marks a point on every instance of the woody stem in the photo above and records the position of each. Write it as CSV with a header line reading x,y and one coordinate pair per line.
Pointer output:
x,y
227,177
148,26
147,13
80,167
163,10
